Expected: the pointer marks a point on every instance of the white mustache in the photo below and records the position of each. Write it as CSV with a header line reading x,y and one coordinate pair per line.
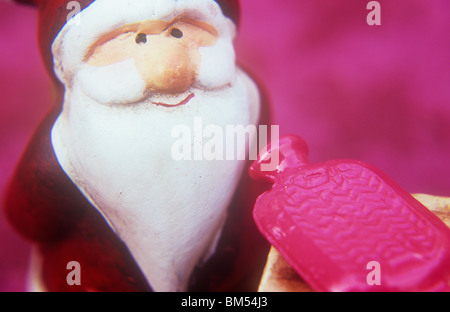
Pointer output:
x,y
120,83
117,83
218,65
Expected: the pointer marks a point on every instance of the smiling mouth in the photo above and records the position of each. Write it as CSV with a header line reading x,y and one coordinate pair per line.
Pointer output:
x,y
183,102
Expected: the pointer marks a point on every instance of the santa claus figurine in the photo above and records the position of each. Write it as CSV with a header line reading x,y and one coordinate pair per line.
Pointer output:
x,y
98,184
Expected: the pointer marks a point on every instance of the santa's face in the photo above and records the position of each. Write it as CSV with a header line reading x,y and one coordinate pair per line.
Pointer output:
x,y
125,94
164,63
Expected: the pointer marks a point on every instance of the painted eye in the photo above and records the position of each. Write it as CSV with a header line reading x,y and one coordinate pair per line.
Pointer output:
x,y
141,38
176,33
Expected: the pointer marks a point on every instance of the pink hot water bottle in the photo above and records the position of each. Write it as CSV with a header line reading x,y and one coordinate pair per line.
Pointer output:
x,y
335,221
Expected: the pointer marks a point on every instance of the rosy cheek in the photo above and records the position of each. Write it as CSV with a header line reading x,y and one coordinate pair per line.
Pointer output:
x,y
113,51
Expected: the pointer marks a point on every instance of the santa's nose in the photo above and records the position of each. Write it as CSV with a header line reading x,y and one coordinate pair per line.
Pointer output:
x,y
165,64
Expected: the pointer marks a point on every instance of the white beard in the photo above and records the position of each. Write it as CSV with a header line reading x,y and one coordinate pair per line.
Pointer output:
x,y
169,213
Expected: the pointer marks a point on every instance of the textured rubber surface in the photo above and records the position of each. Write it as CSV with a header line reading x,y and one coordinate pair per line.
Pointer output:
x,y
334,221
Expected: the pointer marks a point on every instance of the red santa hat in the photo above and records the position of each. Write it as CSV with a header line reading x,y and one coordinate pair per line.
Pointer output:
x,y
98,16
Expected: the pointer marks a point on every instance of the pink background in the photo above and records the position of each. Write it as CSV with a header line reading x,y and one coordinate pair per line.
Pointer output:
x,y
375,93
